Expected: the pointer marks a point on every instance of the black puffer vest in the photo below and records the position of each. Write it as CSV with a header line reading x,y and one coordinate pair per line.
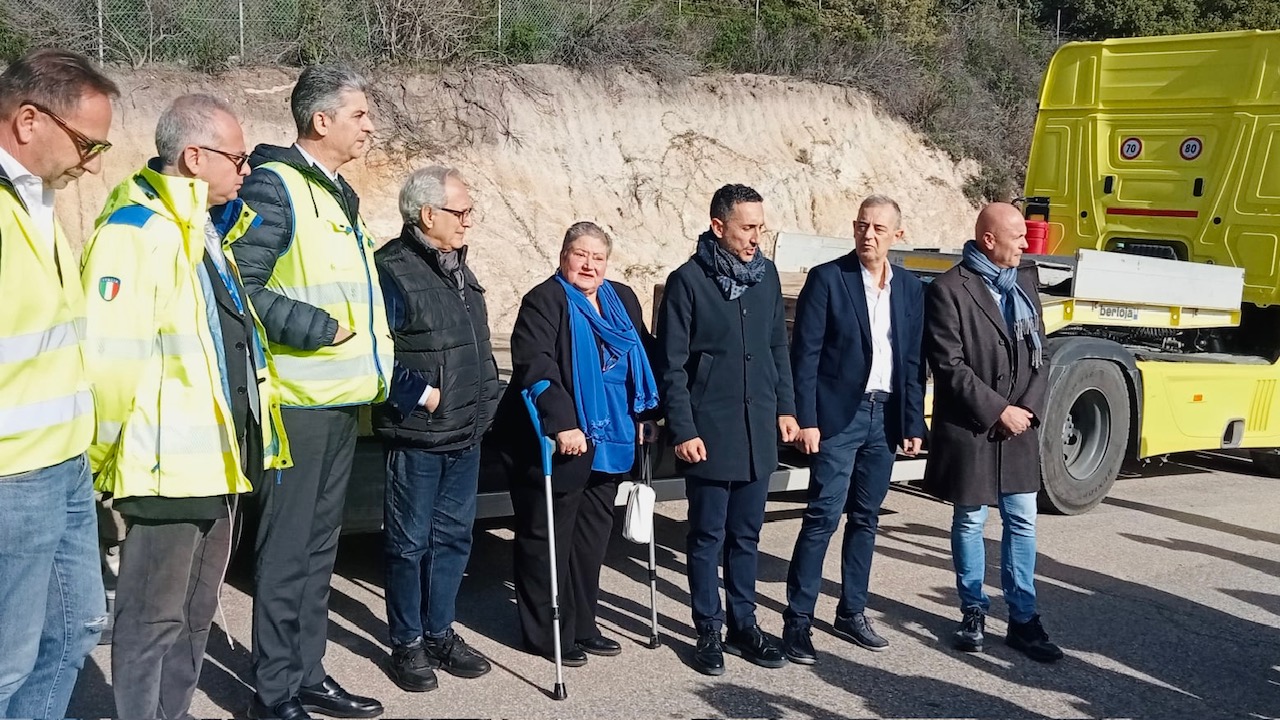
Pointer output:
x,y
446,338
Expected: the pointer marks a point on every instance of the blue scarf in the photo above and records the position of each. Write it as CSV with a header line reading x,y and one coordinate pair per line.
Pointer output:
x,y
1026,323
612,332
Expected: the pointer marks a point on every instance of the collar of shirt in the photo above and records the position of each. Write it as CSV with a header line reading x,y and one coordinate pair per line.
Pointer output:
x,y
32,190
869,280
307,156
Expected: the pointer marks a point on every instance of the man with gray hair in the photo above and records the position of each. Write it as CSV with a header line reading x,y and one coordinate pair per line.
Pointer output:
x,y
309,269
442,401
175,347
859,380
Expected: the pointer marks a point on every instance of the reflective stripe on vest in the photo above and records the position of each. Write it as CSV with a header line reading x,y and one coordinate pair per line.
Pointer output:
x,y
46,406
332,270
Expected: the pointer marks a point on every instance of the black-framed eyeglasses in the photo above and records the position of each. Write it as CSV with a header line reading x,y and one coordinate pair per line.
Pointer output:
x,y
462,215
85,145
238,159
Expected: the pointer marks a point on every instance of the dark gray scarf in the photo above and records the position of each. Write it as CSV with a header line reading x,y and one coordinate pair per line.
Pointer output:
x,y
731,274
451,264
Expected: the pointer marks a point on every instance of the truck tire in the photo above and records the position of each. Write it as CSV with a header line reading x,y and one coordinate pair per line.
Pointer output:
x,y
1083,437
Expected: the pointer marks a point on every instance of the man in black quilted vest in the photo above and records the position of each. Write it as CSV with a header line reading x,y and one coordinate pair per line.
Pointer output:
x,y
442,400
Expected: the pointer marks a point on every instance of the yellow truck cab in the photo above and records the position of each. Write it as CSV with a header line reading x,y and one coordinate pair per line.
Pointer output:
x,y
1169,148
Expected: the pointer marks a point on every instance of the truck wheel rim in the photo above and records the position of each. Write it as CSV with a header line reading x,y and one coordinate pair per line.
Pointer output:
x,y
1086,432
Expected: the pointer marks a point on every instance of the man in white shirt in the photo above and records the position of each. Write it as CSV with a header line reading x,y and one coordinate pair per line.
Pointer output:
x,y
859,382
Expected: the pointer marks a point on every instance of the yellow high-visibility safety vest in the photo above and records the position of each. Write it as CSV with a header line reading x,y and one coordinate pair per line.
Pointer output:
x,y
46,405
329,264
164,421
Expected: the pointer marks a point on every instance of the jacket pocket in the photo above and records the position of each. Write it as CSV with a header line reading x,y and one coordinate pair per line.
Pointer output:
x,y
701,378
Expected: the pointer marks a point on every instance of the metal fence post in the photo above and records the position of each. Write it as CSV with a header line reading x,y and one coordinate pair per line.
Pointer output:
x,y
499,25
242,58
101,49
757,10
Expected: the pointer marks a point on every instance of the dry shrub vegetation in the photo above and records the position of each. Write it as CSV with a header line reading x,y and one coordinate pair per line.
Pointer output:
x,y
965,73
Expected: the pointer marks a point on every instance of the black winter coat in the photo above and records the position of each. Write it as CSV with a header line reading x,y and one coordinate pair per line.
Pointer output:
x,y
445,340
286,321
978,371
724,372
542,349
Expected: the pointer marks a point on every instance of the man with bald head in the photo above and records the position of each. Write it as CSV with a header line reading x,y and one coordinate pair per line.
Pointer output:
x,y
984,340
187,416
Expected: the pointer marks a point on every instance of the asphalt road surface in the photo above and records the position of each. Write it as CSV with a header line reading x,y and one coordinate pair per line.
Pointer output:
x,y
1166,600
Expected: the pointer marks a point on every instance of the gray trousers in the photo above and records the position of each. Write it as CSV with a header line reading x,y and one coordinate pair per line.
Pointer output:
x,y
166,598
301,517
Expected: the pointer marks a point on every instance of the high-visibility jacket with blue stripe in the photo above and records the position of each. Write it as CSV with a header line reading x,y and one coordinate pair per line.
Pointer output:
x,y
329,264
46,406
164,418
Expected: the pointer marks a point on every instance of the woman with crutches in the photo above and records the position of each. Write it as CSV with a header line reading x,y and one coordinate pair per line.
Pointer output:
x,y
586,337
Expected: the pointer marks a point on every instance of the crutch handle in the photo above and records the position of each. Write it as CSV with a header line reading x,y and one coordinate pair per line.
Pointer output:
x,y
546,445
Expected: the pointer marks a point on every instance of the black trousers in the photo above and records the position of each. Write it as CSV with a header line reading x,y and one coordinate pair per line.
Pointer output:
x,y
166,597
300,513
724,525
583,522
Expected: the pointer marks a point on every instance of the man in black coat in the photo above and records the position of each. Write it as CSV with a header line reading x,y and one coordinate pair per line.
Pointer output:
x,y
726,381
855,354
984,340
442,399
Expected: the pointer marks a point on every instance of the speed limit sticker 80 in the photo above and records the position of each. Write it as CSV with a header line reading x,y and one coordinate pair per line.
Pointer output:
x,y
1191,148
1130,148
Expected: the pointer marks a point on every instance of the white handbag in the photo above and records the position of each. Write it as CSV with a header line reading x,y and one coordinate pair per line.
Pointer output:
x,y
637,527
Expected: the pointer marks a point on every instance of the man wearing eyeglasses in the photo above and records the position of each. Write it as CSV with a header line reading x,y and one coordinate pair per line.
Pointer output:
x,y
188,415
443,396
310,271
53,103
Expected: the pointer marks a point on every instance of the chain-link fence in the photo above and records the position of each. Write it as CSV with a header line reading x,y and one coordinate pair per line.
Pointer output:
x,y
210,34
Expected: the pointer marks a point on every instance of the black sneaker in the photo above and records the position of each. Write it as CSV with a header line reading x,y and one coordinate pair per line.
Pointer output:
x,y
708,656
968,637
797,644
754,646
1031,639
858,630
411,668
454,656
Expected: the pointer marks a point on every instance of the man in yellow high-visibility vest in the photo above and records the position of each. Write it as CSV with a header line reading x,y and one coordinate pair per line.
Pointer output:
x,y
188,413
55,111
309,269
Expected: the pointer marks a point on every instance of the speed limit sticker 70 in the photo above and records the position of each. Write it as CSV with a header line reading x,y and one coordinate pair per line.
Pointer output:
x,y
1191,148
1130,148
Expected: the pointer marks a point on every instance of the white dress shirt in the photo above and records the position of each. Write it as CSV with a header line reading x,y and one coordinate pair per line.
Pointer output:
x,y
307,156
37,198
881,377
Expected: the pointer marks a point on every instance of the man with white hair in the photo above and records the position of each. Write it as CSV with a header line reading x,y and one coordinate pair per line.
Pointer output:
x,y
188,418
443,397
310,273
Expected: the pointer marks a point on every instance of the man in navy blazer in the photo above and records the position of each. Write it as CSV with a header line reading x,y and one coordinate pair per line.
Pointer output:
x,y
859,384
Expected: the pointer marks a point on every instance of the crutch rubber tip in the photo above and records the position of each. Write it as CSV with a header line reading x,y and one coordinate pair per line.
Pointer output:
x,y
559,693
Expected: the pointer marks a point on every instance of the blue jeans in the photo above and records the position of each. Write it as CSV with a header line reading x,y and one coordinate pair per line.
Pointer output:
x,y
52,605
849,476
1017,555
428,514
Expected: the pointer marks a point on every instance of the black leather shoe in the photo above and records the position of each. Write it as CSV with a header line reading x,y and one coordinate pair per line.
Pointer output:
x,y
708,656
858,630
456,657
1031,639
754,646
571,656
968,637
287,710
797,644
411,668
328,698
600,645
